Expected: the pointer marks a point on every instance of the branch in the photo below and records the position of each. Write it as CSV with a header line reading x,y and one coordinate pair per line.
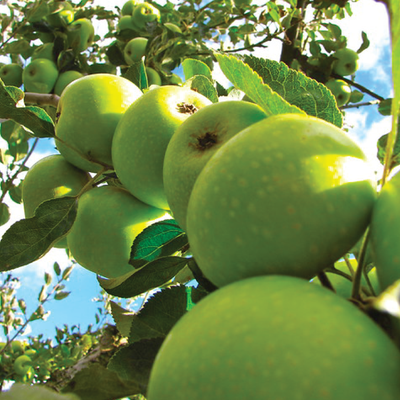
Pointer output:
x,y
42,99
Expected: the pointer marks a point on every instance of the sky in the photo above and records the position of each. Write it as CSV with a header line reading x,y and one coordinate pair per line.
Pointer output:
x,y
365,125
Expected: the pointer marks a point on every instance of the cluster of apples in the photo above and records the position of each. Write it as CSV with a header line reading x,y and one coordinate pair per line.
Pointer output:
x,y
346,62
41,75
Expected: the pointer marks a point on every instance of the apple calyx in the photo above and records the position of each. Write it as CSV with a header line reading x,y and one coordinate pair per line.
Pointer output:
x,y
186,108
206,140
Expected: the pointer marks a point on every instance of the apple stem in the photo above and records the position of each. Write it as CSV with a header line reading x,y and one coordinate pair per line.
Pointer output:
x,y
42,99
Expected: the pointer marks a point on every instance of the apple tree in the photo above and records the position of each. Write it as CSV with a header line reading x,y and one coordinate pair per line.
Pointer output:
x,y
264,245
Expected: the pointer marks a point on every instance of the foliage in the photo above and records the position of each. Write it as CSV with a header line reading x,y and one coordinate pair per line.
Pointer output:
x,y
190,38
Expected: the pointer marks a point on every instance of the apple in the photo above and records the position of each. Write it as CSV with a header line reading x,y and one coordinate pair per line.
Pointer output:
x,y
64,79
142,136
135,50
153,77
80,34
49,178
87,115
340,89
61,14
40,76
128,7
44,51
356,96
11,74
193,144
289,195
175,79
145,13
346,62
108,220
22,365
385,235
275,337
125,22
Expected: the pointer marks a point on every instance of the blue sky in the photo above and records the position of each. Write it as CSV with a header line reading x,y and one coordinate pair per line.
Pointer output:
x,y
365,126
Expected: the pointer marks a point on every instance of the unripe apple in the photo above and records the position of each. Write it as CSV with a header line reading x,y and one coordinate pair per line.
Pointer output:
x,y
135,50
193,144
22,365
51,177
44,51
108,220
125,22
80,34
87,115
144,13
153,77
275,337
128,7
289,195
356,96
346,62
340,89
64,79
11,74
62,14
40,76
142,136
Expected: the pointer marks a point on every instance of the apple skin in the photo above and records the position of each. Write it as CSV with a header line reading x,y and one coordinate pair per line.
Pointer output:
x,y
108,220
145,13
273,337
193,144
289,195
128,7
62,14
346,63
40,76
153,77
142,136
340,89
135,49
11,74
22,365
87,115
80,34
125,22
385,235
64,79
51,177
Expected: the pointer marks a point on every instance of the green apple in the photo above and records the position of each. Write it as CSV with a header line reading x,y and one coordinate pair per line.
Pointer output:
x,y
385,235
61,14
175,79
356,96
40,76
142,136
128,7
275,337
11,74
87,115
153,77
44,51
340,89
22,365
193,144
108,220
346,62
289,195
125,22
145,13
135,50
51,177
64,79
80,34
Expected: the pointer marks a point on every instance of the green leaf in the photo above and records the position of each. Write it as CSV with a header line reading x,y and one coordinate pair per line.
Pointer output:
x,y
33,118
297,89
61,295
134,362
99,383
365,42
385,107
248,81
122,318
382,147
204,86
160,239
56,268
17,46
192,67
136,74
4,214
29,239
148,277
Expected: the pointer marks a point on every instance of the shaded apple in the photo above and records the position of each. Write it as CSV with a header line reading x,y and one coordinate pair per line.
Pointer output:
x,y
64,79
11,74
40,76
80,34
135,49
